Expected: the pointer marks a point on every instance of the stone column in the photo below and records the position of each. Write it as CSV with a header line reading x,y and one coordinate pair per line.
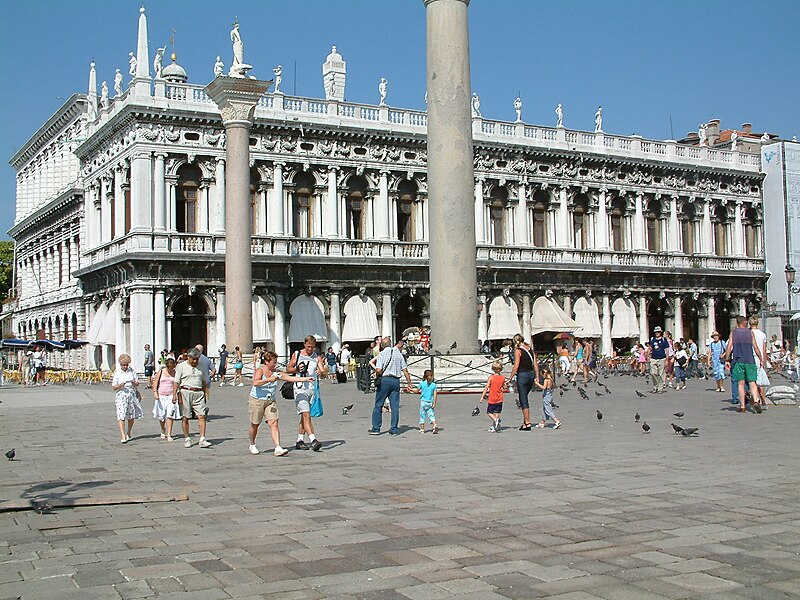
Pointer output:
x,y
563,238
119,204
159,320
160,196
276,204
738,232
279,331
219,184
602,223
335,323
677,332
644,329
120,343
219,309
606,344
330,203
674,226
568,305
386,315
381,209
236,99
706,241
483,318
480,230
638,224
141,181
526,316
742,303
711,319
141,311
521,221
106,201
202,222
452,261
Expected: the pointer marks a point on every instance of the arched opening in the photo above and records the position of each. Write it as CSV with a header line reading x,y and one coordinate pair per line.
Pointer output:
x,y
656,312
653,222
406,222
752,238
688,220
618,224
498,203
580,222
409,312
355,208
541,207
74,326
189,320
186,201
690,311
719,224
724,314
302,205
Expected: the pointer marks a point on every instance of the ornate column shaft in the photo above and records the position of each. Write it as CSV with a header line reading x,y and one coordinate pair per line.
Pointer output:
x,y
738,231
119,204
483,319
382,207
706,241
237,99
711,319
160,321
141,330
141,182
160,195
220,310
335,323
521,224
674,226
279,332
644,328
480,228
526,316
330,203
677,332
386,315
638,224
219,184
602,223
563,238
106,201
606,344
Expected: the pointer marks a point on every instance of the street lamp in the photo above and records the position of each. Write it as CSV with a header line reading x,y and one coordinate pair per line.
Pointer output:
x,y
793,289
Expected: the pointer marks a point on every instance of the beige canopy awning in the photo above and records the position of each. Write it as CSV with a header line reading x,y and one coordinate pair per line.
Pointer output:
x,y
547,316
503,319
625,324
261,330
360,320
308,318
587,315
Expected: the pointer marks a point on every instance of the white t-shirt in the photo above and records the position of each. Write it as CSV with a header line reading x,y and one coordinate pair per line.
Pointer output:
x,y
127,377
345,357
761,340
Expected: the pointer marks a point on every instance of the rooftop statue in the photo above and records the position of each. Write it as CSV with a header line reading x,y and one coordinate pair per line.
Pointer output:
x,y
118,83
382,90
104,101
518,108
559,116
132,63
219,67
476,105
278,78
598,120
734,140
703,134
157,62
238,68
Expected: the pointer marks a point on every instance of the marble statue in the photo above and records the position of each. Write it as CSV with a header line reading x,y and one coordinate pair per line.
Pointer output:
x,y
332,92
157,62
104,102
238,68
219,67
559,116
598,120
734,140
278,78
382,90
132,63
518,108
765,137
118,83
91,107
703,134
476,105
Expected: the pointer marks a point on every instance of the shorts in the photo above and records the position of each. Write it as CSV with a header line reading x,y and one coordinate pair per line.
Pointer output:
x,y
302,403
41,369
258,410
745,372
222,370
148,371
494,409
196,400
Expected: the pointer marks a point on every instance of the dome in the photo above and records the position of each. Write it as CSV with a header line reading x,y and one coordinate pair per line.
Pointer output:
x,y
174,72
334,56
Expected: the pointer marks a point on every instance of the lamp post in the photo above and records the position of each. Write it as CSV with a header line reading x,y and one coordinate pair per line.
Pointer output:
x,y
793,289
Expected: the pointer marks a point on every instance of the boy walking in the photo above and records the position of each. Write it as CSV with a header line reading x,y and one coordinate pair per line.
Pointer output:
x,y
494,388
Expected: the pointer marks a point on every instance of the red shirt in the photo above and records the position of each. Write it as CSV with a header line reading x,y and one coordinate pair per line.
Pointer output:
x,y
496,384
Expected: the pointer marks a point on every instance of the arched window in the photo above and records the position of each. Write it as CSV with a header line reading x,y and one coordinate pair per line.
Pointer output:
x,y
406,222
689,228
74,326
719,225
302,205
541,206
580,222
498,203
355,208
186,203
654,226
752,237
618,224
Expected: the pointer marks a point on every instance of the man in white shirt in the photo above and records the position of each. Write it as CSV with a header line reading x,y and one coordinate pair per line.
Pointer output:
x,y
344,358
389,365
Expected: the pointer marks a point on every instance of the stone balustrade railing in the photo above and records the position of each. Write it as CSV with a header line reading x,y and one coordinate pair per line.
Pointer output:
x,y
414,121
323,248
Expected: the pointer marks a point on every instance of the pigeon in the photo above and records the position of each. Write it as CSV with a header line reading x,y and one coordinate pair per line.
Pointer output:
x,y
645,427
676,429
599,416
605,387
437,353
605,376
554,405
689,431
636,417
640,394
11,454
583,394
560,392
454,345
678,415
598,394
574,384
476,411
346,409
41,506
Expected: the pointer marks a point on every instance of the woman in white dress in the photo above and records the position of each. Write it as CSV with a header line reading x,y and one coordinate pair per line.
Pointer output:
x,y
129,407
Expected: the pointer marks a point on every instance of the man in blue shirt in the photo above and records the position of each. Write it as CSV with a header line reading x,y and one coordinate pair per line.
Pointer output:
x,y
657,352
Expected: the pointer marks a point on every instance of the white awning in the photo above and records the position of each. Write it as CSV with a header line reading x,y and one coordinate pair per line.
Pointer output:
x,y
308,318
503,319
108,330
625,324
587,315
97,323
360,320
261,330
547,316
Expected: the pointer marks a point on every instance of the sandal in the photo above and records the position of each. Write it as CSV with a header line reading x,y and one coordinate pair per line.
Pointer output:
x,y
525,427
540,426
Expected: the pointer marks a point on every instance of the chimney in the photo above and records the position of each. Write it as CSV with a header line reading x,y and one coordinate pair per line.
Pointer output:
x,y
713,131
747,128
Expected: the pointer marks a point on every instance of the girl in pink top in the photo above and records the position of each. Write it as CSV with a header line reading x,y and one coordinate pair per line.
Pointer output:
x,y
166,407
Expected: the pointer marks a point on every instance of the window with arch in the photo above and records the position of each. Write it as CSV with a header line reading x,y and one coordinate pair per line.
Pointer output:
x,y
752,233
580,222
719,226
618,220
186,203
654,226
498,205
302,205
689,228
541,207
74,326
355,208
406,219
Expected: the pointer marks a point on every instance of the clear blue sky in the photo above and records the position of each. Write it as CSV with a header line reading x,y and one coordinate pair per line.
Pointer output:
x,y
643,60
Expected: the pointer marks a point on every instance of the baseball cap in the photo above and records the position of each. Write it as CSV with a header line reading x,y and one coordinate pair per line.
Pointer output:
x,y
657,328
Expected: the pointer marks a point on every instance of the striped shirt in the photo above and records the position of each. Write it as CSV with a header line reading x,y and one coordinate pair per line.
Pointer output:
x,y
391,362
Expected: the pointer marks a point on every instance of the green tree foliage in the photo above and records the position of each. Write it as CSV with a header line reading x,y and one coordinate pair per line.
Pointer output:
x,y
6,267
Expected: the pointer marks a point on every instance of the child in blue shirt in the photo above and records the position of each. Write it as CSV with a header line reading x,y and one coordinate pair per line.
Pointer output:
x,y
427,401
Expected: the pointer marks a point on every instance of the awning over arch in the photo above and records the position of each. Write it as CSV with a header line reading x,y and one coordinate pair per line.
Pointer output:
x,y
360,320
261,330
308,318
547,316
103,329
503,318
97,323
587,315
625,324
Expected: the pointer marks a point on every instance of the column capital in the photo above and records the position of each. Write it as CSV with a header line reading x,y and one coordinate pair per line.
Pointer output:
x,y
220,160
236,98
160,155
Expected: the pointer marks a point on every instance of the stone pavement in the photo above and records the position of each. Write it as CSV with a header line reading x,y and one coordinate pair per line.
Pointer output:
x,y
594,510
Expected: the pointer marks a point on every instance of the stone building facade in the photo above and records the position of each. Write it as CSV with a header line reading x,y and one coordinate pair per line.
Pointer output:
x,y
121,208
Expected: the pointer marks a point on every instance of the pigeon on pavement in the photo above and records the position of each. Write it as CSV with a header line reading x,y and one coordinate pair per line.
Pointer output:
x,y
599,416
636,417
676,429
476,411
598,394
11,454
346,409
454,345
689,431
640,394
645,427
678,414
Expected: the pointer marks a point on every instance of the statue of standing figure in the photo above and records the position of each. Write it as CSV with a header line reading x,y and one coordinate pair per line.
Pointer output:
x,y
476,105
104,101
219,67
734,140
132,63
238,68
702,133
518,108
559,116
278,78
382,90
598,120
118,83
158,61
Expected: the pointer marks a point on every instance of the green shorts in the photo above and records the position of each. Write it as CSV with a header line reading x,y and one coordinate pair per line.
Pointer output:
x,y
745,372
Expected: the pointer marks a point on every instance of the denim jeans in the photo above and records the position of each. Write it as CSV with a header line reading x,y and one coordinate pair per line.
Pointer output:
x,y
389,388
524,387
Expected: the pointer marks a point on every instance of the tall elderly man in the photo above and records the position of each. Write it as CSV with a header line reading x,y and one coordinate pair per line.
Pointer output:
x,y
657,351
190,388
389,365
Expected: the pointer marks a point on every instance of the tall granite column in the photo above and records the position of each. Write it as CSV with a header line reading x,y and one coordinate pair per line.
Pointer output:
x,y
236,99
453,274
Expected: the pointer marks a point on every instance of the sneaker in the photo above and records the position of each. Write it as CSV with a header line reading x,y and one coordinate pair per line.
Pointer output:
x,y
316,445
422,431
169,438
374,432
163,436
301,445
394,432
241,384
540,426
280,451
557,425
492,429
187,443
204,443
253,449
221,384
